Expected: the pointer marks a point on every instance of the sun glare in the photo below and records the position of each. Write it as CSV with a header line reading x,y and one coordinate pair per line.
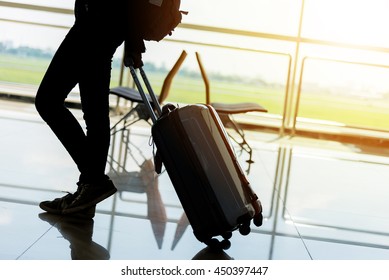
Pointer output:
x,y
361,23
348,21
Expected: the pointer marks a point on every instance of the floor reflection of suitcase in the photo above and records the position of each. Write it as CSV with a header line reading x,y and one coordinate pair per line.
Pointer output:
x,y
194,148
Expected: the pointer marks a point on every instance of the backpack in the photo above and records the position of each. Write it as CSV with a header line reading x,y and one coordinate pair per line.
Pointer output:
x,y
158,18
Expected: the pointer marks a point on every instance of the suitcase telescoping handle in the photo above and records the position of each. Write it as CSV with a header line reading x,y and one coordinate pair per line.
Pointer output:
x,y
146,101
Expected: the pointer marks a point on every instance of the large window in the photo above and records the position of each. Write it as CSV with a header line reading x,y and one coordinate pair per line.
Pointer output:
x,y
309,62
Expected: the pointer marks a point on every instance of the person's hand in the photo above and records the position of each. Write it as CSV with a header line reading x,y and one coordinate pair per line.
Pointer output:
x,y
134,59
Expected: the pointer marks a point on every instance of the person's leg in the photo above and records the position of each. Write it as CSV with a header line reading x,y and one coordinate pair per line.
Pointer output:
x,y
61,77
84,57
94,91
78,60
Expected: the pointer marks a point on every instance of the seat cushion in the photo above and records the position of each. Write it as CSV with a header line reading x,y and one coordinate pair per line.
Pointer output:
x,y
237,108
128,93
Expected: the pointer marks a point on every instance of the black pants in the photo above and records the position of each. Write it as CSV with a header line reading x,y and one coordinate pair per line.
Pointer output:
x,y
83,58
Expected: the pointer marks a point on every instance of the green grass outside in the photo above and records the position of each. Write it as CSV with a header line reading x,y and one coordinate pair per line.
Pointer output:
x,y
192,90
29,70
373,114
350,111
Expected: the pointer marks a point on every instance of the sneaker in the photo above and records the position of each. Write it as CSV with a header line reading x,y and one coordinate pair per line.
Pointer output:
x,y
89,195
57,205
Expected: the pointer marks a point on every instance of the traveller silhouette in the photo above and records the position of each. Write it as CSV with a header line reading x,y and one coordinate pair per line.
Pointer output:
x,y
84,58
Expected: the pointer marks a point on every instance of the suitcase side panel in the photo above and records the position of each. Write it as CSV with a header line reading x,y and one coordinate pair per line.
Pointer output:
x,y
199,202
216,162
209,189
247,194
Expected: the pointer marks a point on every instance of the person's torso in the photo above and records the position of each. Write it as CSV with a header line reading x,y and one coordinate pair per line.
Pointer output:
x,y
102,13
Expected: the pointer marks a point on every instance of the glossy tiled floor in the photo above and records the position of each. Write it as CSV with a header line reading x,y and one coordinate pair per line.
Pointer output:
x,y
322,200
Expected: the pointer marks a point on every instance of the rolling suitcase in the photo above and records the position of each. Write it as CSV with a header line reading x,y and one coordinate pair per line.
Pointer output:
x,y
194,147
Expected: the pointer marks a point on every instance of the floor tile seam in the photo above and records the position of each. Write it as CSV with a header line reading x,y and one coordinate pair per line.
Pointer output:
x,y
33,243
286,210
298,233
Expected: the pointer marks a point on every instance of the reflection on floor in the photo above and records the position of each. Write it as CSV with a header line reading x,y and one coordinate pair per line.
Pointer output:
x,y
322,200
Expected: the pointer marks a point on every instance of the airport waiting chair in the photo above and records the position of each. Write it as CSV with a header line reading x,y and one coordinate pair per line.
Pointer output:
x,y
227,110
137,109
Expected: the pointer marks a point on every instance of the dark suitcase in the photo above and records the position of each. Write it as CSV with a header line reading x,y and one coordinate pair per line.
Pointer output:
x,y
195,150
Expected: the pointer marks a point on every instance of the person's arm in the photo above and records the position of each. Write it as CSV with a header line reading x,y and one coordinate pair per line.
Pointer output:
x,y
134,45
133,49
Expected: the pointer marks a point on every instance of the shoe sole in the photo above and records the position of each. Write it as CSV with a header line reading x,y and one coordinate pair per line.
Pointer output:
x,y
50,210
76,214
89,204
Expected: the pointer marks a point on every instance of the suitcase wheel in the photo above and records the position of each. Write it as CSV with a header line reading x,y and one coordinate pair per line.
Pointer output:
x,y
225,244
215,244
244,229
258,219
227,235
